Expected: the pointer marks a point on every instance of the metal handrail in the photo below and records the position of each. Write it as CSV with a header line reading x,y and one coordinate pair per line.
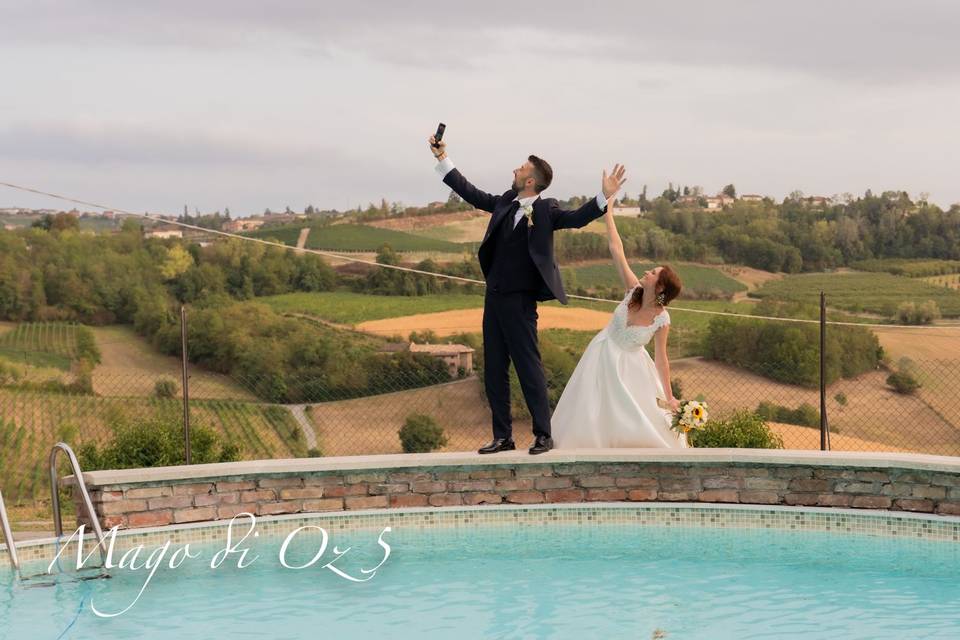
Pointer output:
x,y
87,504
8,536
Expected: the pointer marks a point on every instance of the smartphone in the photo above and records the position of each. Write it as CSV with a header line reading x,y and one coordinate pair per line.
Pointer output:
x,y
439,135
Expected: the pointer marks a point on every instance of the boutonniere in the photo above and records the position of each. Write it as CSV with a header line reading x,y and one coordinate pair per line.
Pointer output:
x,y
528,213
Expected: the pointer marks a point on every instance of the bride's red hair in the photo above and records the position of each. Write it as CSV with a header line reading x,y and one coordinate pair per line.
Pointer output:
x,y
668,283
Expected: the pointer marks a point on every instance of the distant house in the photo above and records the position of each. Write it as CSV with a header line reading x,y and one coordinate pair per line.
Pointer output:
x,y
719,201
454,356
751,197
690,201
242,224
817,201
163,233
627,211
437,205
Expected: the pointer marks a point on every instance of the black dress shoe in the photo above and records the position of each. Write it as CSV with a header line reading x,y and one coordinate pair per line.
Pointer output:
x,y
498,444
541,445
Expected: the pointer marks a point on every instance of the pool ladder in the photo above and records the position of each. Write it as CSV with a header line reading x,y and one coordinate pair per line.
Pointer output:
x,y
55,502
8,537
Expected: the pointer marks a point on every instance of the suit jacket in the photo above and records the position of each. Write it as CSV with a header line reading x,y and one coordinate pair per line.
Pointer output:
x,y
547,217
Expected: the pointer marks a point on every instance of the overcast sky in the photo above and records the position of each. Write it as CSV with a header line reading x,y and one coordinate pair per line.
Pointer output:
x,y
250,105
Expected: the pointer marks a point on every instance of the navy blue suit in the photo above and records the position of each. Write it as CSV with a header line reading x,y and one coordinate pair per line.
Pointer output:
x,y
520,269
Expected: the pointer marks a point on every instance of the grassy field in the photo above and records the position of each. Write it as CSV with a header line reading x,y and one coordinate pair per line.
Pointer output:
x,y
346,307
355,237
910,268
879,293
130,366
698,280
470,231
30,423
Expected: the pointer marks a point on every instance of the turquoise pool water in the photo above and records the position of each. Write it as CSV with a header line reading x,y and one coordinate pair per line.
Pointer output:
x,y
549,581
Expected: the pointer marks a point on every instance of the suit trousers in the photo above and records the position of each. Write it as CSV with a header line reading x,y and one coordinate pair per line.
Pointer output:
x,y
510,333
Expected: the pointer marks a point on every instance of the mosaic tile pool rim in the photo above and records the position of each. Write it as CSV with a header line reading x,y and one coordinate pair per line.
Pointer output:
x,y
883,524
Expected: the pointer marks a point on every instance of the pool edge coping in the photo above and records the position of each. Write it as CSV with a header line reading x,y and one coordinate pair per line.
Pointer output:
x,y
853,459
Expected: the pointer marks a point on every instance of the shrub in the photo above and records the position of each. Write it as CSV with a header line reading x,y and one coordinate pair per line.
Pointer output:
x,y
805,415
165,388
924,313
314,452
155,442
9,373
743,429
676,388
841,399
421,434
903,382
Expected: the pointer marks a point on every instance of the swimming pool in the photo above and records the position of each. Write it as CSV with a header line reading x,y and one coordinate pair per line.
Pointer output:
x,y
604,571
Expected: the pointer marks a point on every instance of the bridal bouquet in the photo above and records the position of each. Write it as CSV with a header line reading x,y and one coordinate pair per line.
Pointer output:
x,y
691,415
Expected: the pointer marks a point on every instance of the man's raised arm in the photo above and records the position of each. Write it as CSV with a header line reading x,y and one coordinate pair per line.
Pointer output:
x,y
455,180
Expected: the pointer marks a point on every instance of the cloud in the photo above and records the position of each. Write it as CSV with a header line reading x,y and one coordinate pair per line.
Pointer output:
x,y
328,103
105,145
862,41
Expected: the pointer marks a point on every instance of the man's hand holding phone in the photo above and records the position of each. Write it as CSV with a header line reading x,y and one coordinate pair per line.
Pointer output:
x,y
437,145
439,149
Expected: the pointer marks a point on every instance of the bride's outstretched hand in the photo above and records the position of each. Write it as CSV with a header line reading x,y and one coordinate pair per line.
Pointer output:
x,y
612,183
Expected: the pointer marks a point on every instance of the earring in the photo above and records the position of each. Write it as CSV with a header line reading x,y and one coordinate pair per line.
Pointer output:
x,y
661,299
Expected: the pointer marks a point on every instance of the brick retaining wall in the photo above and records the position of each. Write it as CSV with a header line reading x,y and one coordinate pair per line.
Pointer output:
x,y
161,501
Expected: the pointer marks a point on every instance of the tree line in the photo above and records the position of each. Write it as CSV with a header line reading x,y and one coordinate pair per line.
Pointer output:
x,y
61,274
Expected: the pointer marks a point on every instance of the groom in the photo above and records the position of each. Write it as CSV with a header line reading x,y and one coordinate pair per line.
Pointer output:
x,y
516,257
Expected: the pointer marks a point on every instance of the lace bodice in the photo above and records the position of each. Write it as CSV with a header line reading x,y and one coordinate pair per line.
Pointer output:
x,y
634,337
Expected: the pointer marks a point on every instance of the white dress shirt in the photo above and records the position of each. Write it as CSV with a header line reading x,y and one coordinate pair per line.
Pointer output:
x,y
445,166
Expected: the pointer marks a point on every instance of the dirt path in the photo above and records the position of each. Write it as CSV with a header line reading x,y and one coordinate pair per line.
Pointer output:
x,y
299,412
445,323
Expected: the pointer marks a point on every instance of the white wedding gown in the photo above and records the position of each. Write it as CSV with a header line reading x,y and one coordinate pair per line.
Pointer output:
x,y
611,398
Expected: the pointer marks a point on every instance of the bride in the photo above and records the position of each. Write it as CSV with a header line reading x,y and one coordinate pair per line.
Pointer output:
x,y
611,398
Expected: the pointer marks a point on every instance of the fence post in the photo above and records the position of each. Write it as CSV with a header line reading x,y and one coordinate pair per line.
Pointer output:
x,y
186,386
824,428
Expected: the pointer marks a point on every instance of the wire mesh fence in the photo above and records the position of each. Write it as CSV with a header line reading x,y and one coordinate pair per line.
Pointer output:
x,y
129,411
